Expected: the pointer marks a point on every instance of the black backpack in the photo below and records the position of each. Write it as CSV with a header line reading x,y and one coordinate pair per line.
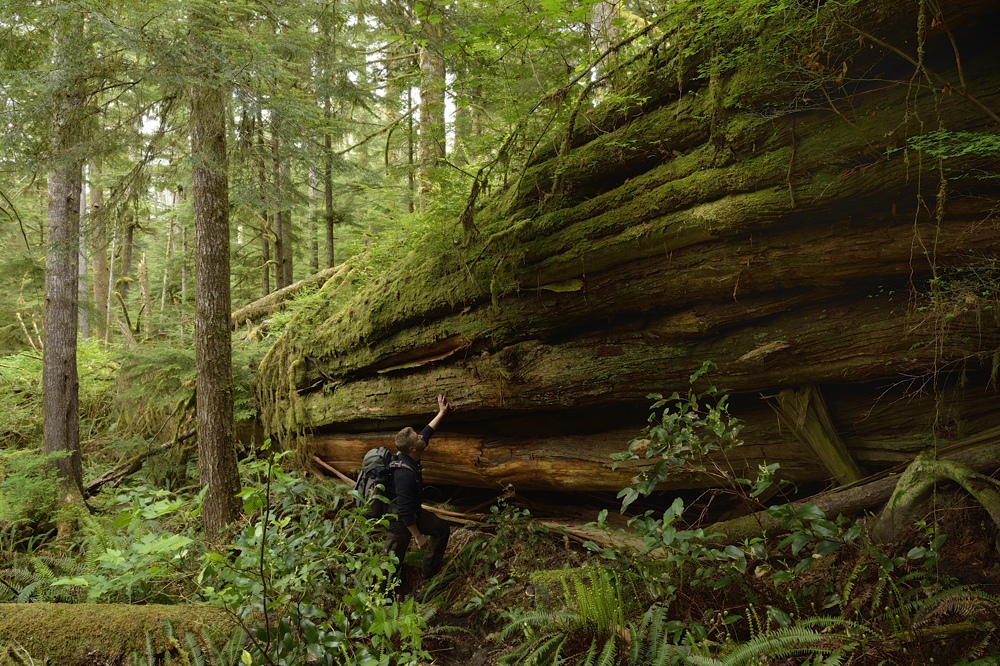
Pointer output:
x,y
375,480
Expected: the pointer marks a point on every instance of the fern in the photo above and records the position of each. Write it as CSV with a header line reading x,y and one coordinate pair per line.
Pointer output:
x,y
28,577
780,644
194,652
957,603
654,640
600,603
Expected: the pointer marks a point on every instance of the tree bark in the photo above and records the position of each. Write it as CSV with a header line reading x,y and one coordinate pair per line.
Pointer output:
x,y
213,353
277,219
99,255
432,92
328,213
60,384
882,427
260,164
328,22
981,454
82,286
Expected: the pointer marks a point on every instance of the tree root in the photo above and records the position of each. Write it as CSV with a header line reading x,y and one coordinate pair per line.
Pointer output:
x,y
915,486
965,459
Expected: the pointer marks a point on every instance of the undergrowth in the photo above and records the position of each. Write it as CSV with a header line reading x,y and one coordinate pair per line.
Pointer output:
x,y
305,580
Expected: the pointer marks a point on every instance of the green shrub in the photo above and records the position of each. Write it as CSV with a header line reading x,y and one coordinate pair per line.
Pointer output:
x,y
29,492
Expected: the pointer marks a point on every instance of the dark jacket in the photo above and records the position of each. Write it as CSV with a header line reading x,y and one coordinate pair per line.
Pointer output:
x,y
408,482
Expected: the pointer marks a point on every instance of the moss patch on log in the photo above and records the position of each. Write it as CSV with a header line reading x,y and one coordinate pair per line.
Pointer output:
x,y
87,634
721,192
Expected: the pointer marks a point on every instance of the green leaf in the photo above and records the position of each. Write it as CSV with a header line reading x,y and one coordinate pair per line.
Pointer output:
x,y
779,617
783,577
74,581
827,546
309,630
799,540
810,512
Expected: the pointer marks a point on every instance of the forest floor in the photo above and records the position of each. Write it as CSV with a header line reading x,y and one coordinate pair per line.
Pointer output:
x,y
470,606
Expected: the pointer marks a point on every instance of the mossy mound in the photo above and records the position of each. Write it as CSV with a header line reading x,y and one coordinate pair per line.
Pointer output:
x,y
107,634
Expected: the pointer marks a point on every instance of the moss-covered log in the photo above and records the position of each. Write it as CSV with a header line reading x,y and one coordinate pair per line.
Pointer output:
x,y
109,634
815,219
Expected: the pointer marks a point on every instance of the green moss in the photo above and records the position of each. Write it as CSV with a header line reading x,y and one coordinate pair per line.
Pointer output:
x,y
85,634
649,178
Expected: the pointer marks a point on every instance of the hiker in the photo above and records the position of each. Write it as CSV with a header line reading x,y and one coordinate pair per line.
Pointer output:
x,y
429,531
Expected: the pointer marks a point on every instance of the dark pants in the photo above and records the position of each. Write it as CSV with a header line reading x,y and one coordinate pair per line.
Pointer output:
x,y
398,541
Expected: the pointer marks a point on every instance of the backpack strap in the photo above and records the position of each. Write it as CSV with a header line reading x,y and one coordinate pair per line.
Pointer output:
x,y
398,463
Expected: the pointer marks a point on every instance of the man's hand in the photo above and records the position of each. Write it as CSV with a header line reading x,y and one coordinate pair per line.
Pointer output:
x,y
421,540
443,408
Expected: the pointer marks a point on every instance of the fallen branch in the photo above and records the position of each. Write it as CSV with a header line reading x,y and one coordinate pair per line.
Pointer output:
x,y
130,466
333,470
277,300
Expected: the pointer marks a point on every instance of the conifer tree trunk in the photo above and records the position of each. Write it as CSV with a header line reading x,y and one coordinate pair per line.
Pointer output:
x,y
213,353
265,220
167,256
287,236
328,23
432,110
277,220
82,287
60,384
128,234
328,191
314,194
98,256
145,312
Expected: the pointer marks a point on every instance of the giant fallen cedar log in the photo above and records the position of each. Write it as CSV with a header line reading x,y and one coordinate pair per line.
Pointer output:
x,y
835,244
881,428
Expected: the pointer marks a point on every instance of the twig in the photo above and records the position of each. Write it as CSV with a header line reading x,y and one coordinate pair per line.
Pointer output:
x,y
25,329
456,514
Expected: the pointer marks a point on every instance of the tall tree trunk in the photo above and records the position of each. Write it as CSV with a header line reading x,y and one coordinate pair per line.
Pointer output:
x,y
328,191
314,194
83,312
328,27
213,353
168,255
60,384
145,312
125,267
287,235
463,130
265,219
432,111
99,255
411,181
276,218
182,307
